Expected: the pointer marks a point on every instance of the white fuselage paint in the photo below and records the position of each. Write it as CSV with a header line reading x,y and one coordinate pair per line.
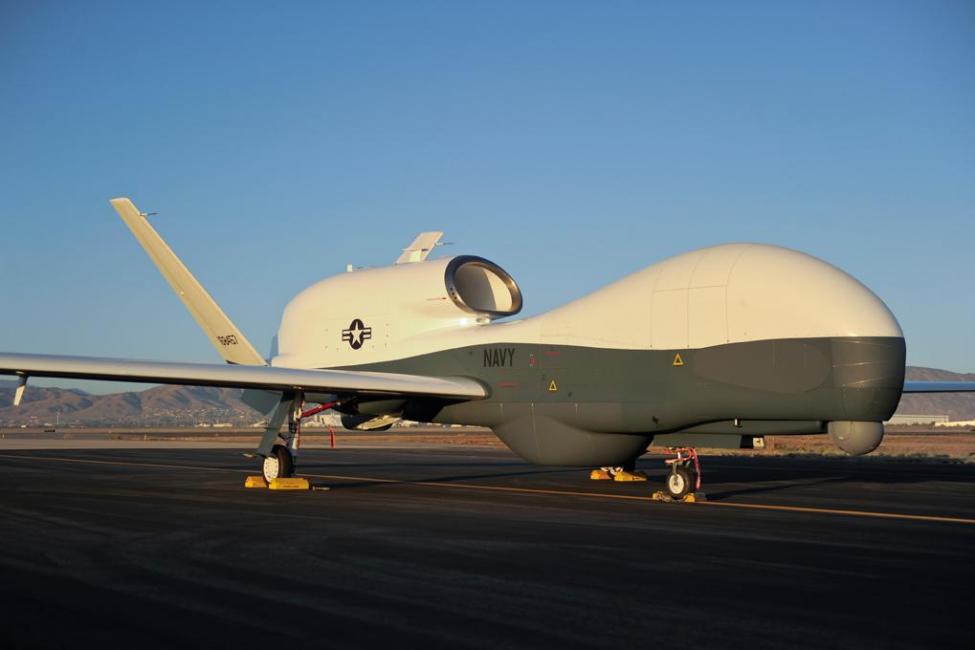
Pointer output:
x,y
724,294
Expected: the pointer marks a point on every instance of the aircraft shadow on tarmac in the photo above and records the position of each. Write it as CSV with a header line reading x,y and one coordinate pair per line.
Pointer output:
x,y
778,486
456,478
762,476
731,477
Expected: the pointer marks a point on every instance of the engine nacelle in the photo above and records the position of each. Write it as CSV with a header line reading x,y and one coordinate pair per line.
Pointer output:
x,y
856,438
480,287
368,315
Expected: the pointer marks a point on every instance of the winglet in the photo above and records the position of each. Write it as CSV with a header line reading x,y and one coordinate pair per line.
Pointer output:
x,y
226,338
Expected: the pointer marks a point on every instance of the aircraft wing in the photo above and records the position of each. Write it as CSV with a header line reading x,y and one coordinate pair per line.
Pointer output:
x,y
939,386
233,376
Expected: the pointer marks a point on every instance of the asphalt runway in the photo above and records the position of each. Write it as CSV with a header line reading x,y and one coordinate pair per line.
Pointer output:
x,y
452,548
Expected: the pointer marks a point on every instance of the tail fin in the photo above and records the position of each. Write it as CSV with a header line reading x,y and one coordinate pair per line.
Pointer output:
x,y
229,341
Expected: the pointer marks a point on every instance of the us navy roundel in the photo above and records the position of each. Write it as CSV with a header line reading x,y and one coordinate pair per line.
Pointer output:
x,y
356,333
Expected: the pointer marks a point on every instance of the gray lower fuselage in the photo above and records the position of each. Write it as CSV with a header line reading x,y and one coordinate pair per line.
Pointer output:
x,y
569,405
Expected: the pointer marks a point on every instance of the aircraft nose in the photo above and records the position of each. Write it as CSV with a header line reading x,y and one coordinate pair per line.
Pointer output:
x,y
776,292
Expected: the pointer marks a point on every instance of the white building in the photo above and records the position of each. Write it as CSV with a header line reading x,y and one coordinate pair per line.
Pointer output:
x,y
908,418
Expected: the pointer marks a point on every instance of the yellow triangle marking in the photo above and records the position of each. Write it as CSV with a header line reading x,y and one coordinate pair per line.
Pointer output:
x,y
552,386
677,360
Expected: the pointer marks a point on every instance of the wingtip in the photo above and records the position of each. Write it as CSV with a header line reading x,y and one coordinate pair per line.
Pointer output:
x,y
124,207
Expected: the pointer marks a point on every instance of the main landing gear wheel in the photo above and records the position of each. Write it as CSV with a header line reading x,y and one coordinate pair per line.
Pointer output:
x,y
680,482
279,464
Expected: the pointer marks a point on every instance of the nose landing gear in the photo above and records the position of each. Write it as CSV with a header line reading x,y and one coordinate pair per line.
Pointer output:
x,y
684,480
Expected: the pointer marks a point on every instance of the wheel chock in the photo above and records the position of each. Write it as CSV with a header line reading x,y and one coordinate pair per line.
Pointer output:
x,y
599,475
289,484
255,482
693,497
624,476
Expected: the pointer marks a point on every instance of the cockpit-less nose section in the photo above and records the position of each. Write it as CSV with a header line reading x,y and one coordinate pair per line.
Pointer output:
x,y
715,347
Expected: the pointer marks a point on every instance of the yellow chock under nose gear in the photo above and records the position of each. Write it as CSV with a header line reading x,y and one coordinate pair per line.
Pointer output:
x,y
624,476
599,475
255,482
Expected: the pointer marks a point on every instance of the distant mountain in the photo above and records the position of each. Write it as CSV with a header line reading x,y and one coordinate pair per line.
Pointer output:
x,y
159,406
191,405
957,406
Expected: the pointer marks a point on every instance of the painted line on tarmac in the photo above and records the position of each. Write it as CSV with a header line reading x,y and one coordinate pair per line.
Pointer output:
x,y
91,461
839,511
517,490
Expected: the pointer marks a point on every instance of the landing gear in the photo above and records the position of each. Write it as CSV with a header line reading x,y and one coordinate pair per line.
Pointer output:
x,y
680,482
279,464
618,474
625,473
684,478
278,449
279,459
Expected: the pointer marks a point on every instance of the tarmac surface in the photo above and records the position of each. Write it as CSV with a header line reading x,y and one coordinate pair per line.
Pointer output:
x,y
449,547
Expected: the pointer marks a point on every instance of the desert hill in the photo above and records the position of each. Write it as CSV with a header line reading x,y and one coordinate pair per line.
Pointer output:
x,y
958,406
158,406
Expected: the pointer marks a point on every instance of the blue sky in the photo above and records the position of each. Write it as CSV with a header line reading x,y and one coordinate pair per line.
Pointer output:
x,y
569,142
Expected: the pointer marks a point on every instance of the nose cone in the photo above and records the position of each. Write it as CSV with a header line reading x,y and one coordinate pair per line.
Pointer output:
x,y
776,292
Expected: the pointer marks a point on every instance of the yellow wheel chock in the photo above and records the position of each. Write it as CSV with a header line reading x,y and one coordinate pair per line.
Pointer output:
x,y
255,482
277,483
289,484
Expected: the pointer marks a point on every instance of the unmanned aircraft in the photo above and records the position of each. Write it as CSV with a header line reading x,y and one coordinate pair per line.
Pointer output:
x,y
712,348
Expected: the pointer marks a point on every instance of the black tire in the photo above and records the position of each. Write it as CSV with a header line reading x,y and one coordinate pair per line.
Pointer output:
x,y
280,464
680,482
